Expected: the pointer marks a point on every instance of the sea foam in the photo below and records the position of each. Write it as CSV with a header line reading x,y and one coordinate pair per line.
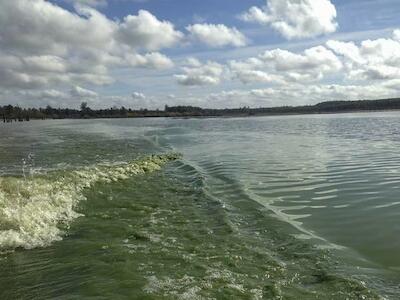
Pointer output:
x,y
35,211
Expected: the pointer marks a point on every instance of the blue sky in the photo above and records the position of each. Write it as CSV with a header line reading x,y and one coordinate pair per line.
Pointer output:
x,y
208,53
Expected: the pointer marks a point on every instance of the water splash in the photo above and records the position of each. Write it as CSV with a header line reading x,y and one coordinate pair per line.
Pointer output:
x,y
28,165
36,210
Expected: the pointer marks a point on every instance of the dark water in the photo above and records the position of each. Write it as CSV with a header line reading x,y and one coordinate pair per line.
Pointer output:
x,y
303,207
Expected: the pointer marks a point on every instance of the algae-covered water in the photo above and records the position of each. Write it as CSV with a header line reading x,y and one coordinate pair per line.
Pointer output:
x,y
300,207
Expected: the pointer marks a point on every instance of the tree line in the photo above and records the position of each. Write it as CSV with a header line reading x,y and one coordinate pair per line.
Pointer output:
x,y
11,113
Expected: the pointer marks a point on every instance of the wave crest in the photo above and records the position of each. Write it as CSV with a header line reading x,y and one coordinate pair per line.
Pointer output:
x,y
33,209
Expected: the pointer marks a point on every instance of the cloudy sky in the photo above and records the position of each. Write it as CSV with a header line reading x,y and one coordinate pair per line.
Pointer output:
x,y
208,53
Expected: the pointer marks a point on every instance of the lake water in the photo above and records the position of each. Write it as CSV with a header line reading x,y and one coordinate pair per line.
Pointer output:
x,y
291,207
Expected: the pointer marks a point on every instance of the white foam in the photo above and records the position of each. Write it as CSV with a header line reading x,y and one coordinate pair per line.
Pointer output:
x,y
33,210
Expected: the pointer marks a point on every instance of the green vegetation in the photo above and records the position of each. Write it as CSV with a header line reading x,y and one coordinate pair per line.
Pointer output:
x,y
11,113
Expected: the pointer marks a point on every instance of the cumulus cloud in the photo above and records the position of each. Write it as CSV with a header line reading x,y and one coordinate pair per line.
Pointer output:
x,y
89,2
43,44
217,35
98,2
396,34
296,94
370,60
153,60
146,31
196,73
80,92
392,84
44,94
295,18
138,96
281,66
370,68
50,55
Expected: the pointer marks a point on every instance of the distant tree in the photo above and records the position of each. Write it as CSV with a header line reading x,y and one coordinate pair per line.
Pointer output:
x,y
86,112
84,106
49,111
11,113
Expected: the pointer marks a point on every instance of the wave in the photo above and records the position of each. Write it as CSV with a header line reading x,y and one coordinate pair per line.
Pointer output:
x,y
239,230
36,211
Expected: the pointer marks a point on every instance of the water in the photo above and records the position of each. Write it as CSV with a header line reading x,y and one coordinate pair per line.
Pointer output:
x,y
301,207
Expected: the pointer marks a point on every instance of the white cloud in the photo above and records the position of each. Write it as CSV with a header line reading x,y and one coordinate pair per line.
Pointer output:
x,y
295,18
196,73
92,3
256,15
99,2
392,84
396,34
153,60
45,94
80,92
217,35
248,76
371,59
49,55
316,60
281,66
296,94
146,31
138,96
346,49
49,29
52,94
53,46
192,62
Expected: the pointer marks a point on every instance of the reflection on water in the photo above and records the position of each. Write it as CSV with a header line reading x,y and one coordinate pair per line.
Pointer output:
x,y
221,221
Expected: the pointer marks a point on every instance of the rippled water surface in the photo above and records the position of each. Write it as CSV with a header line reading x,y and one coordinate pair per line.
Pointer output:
x,y
300,207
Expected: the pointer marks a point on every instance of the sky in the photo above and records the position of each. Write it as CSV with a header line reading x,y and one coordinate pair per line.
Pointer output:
x,y
207,53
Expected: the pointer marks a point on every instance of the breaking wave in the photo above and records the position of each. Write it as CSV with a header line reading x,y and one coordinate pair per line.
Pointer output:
x,y
35,211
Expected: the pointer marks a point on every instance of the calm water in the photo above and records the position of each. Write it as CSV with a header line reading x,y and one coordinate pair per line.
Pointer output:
x,y
303,207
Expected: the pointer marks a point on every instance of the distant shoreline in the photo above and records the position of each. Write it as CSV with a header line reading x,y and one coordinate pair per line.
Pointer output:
x,y
11,113
288,114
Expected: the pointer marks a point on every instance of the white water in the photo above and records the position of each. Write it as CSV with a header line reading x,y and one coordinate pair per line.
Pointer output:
x,y
35,211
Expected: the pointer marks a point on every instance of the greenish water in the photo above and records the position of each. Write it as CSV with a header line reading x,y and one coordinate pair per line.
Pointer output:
x,y
303,207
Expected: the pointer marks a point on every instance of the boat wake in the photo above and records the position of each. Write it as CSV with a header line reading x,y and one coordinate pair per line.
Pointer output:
x,y
35,211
